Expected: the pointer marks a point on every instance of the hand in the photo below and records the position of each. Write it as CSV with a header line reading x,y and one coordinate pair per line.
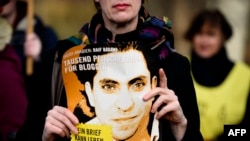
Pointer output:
x,y
32,46
167,106
59,122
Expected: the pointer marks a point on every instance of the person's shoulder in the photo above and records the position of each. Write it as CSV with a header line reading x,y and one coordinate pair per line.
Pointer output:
x,y
10,62
243,67
8,54
176,65
61,46
178,59
179,56
65,44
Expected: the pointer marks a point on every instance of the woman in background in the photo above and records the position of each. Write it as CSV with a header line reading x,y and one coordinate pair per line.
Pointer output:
x,y
222,86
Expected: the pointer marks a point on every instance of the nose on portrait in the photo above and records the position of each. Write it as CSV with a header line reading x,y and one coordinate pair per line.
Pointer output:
x,y
125,102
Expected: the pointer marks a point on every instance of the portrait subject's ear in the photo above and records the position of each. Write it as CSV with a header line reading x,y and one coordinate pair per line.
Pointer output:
x,y
154,82
89,93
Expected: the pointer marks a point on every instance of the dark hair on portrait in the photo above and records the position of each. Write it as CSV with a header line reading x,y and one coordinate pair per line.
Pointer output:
x,y
151,60
97,5
213,17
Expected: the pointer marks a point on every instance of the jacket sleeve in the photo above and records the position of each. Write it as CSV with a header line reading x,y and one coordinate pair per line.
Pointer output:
x,y
189,104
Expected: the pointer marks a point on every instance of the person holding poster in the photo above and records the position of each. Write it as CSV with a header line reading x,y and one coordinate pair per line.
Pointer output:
x,y
93,109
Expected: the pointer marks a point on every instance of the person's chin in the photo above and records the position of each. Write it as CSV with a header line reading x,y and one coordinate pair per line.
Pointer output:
x,y
122,18
124,130
205,55
123,134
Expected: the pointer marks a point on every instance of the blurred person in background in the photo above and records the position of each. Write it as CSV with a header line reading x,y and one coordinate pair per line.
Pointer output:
x,y
13,101
33,45
222,85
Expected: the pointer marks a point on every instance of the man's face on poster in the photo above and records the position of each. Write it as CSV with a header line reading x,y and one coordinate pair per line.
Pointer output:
x,y
118,90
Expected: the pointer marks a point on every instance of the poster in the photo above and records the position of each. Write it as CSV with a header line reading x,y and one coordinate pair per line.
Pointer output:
x,y
105,84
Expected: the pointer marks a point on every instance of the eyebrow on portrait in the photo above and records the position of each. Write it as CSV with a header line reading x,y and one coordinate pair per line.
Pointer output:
x,y
103,81
139,78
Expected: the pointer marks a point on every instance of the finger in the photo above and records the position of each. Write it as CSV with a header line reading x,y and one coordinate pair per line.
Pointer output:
x,y
159,103
68,113
163,78
163,99
67,117
167,109
50,129
31,36
57,124
157,91
154,92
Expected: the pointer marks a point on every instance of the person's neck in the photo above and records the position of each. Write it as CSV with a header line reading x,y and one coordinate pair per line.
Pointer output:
x,y
121,28
211,71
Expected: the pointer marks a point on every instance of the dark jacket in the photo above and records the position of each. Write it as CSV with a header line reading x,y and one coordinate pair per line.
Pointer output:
x,y
13,99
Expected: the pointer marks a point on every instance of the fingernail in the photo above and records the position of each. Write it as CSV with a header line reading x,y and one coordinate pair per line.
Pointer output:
x,y
75,131
153,111
143,97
